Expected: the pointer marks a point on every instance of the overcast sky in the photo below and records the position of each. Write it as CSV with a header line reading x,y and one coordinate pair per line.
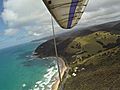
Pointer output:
x,y
25,20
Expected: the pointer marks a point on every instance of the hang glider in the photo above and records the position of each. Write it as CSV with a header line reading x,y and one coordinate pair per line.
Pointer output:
x,y
67,13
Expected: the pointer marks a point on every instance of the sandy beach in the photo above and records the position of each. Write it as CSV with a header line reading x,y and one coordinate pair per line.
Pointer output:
x,y
63,69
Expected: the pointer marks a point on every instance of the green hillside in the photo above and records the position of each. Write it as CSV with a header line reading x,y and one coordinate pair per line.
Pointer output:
x,y
95,61
101,72
86,46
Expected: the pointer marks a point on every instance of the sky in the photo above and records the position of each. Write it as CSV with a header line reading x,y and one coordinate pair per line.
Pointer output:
x,y
25,20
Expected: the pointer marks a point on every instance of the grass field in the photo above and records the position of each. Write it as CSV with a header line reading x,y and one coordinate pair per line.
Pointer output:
x,y
89,45
97,62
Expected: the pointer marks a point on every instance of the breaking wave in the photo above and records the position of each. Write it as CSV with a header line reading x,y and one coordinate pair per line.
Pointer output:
x,y
49,78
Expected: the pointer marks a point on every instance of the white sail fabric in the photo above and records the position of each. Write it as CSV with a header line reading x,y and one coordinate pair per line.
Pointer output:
x,y
66,12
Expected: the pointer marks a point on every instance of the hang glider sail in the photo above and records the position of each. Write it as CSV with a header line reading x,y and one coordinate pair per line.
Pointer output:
x,y
67,13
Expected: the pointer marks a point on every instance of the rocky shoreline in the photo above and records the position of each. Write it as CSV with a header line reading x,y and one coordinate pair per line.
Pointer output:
x,y
63,69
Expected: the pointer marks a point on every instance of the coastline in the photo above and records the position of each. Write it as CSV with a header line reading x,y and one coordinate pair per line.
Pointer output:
x,y
63,68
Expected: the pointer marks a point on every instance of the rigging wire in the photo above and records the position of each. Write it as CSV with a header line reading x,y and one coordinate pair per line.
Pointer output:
x,y
55,47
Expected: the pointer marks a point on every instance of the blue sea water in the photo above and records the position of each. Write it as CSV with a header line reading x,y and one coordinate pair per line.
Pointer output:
x,y
20,71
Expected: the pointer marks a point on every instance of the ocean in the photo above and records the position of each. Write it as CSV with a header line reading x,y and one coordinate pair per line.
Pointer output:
x,y
19,70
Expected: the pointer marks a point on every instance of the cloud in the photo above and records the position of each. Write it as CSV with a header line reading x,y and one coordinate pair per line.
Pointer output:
x,y
24,12
9,16
10,32
100,11
97,4
28,15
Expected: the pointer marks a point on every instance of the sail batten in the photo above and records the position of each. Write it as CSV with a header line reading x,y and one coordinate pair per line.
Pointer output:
x,y
72,10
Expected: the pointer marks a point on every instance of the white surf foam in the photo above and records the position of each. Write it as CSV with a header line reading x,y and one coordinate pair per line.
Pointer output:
x,y
48,78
